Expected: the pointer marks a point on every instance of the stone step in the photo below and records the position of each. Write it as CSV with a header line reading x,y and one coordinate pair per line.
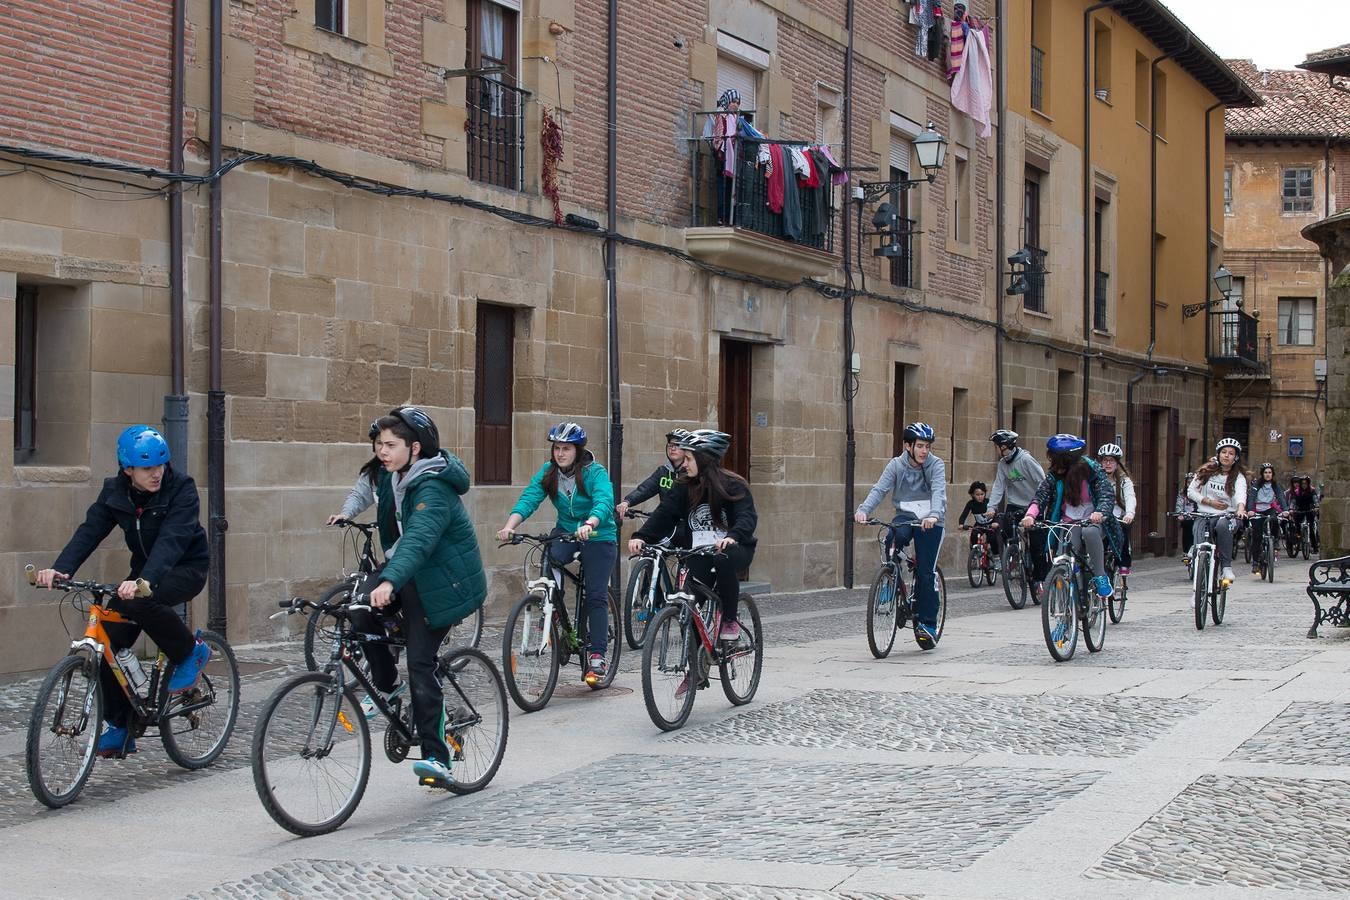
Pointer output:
x,y
756,587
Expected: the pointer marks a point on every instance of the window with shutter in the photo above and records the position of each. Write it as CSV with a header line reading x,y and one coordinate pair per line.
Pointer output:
x,y
739,77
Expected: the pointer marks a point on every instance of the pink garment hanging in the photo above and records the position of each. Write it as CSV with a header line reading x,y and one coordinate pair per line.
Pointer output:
x,y
725,127
840,177
777,171
973,88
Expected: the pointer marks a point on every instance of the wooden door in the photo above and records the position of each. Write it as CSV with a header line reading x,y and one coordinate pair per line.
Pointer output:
x,y
734,405
493,378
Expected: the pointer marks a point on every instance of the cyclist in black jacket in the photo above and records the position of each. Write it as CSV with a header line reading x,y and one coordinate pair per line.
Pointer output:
x,y
660,481
157,510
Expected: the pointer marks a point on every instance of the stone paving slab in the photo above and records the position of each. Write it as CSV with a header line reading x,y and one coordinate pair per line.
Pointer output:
x,y
1046,725
1304,734
324,878
1283,833
1117,654
845,814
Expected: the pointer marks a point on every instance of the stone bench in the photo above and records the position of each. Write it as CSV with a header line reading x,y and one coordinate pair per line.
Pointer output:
x,y
1329,590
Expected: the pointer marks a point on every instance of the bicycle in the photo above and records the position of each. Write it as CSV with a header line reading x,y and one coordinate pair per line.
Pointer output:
x,y
1018,567
683,646
650,581
1267,553
888,603
1120,586
1209,594
540,637
311,746
980,562
63,730
1299,536
1071,602
322,627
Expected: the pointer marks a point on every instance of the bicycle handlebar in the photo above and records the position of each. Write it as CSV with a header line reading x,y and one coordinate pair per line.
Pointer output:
x,y
366,528
69,584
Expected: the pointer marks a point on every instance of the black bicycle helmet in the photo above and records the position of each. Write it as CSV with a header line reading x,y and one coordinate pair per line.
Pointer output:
x,y
1004,438
706,440
422,426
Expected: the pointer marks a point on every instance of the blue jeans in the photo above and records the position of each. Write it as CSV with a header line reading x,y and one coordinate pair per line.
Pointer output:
x,y
597,564
926,547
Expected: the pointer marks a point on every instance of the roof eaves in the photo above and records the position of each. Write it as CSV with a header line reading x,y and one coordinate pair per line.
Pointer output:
x,y
1156,22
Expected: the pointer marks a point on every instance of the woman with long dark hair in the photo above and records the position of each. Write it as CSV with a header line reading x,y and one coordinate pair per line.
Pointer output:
x,y
1219,487
708,506
1263,504
1076,491
1112,460
580,491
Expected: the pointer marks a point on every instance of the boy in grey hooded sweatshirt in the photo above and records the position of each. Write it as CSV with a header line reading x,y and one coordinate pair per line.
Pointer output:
x,y
917,483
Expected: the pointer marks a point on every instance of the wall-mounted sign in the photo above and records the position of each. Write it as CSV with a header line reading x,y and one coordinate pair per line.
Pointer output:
x,y
1295,448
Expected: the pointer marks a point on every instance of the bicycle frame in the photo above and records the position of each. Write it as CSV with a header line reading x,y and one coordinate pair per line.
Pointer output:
x,y
1069,555
550,586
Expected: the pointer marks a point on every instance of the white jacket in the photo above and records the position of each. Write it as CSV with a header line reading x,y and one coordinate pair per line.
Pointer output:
x,y
1127,492
1217,489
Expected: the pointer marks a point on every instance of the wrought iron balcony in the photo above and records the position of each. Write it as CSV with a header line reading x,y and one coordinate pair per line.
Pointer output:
x,y
902,266
1035,295
1037,78
742,201
495,128
1233,340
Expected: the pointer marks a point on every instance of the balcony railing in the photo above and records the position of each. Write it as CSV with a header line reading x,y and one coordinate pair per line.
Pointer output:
x,y
1034,299
1037,78
1100,292
496,131
1233,342
902,266
742,201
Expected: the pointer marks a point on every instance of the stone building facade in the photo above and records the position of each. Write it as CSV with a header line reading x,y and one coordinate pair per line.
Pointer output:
x,y
1285,167
342,298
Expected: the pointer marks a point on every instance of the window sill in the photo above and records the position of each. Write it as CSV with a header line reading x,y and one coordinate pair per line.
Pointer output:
x,y
1044,115
1103,102
1103,333
1038,313
305,35
37,473
961,248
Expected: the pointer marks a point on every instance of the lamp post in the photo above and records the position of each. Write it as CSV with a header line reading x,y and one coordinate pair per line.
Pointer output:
x,y
1223,280
931,149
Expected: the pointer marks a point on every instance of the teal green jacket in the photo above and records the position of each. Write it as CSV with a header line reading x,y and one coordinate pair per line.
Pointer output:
x,y
596,498
438,549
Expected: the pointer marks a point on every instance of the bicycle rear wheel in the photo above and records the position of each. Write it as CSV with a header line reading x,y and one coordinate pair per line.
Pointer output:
x,y
1200,592
1059,619
1116,606
530,654
63,731
1014,577
477,719
636,613
197,724
467,633
613,643
669,679
321,630
742,662
1217,604
1094,620
882,603
311,755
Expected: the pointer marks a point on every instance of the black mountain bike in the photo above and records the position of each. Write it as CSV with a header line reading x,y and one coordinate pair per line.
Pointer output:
x,y
1017,564
321,631
683,645
888,604
651,579
311,746
1265,554
1120,585
1071,601
540,636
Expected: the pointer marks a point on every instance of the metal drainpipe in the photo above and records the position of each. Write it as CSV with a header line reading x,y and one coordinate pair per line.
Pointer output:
x,y
1326,293
215,402
1088,285
611,250
1000,242
850,437
1153,194
1129,404
176,401
1209,229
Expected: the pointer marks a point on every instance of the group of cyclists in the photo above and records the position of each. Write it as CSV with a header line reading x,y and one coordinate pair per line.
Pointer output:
x,y
433,570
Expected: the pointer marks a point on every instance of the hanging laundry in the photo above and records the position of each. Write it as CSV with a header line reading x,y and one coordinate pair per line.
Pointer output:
x,y
792,204
799,165
812,180
924,20
837,173
776,181
937,35
959,28
973,86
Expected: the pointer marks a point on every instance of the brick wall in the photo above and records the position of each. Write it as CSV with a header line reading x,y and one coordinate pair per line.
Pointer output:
x,y
107,97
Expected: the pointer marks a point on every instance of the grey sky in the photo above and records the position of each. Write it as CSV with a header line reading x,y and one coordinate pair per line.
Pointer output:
x,y
1275,35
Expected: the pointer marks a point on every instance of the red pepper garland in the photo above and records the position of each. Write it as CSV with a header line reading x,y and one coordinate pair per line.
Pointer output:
x,y
551,142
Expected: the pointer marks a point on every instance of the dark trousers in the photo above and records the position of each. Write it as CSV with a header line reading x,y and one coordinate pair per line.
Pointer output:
x,y
423,644
724,190
1299,515
926,547
1187,536
993,535
1033,542
1118,536
597,564
159,618
722,573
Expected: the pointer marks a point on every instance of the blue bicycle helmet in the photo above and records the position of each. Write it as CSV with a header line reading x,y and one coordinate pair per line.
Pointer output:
x,y
918,431
142,446
567,433
1065,443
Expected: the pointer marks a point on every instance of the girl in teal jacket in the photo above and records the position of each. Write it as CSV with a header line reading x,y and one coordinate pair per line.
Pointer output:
x,y
584,499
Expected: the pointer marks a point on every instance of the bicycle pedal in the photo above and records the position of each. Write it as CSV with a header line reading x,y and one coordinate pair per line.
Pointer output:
x,y
436,784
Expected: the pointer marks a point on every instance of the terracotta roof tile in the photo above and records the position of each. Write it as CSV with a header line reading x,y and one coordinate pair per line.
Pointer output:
x,y
1297,104
1341,52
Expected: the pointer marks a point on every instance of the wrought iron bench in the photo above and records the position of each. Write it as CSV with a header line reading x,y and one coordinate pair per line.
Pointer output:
x,y
1329,589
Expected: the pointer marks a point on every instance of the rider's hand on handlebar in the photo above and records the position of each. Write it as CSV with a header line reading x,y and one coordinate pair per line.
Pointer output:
x,y
584,531
724,543
126,590
334,519
383,595
635,546
928,523
622,509
1095,518
505,534
46,577
860,518
1028,521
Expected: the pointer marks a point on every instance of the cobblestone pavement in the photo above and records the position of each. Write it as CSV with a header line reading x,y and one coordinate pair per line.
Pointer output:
x,y
1304,734
650,805
324,878
1245,832
1047,724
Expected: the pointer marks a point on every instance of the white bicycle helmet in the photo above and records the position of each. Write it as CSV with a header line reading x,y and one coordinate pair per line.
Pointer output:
x,y
1111,450
1228,442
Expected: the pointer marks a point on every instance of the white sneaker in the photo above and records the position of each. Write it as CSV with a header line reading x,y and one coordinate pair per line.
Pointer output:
x,y
1227,576
368,707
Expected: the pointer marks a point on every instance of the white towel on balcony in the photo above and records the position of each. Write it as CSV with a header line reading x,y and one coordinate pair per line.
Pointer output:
x,y
973,87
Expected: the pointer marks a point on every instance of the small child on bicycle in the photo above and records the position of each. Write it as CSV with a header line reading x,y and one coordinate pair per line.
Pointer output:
x,y
708,506
583,497
433,570
978,508
1076,491
917,482
157,510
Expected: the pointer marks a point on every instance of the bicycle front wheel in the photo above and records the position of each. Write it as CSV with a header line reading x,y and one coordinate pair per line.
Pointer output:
x,y
637,610
1014,577
1058,616
743,661
1094,619
942,601
477,719
1269,565
311,755
1305,538
882,605
975,566
197,724
530,654
669,679
321,631
63,731
1200,593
